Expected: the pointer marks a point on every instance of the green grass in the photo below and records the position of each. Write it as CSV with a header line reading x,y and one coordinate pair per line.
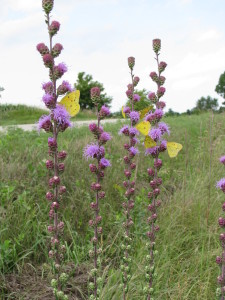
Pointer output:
x,y
188,240
22,114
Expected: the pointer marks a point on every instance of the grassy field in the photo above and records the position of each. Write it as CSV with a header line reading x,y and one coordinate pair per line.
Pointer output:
x,y
22,114
188,240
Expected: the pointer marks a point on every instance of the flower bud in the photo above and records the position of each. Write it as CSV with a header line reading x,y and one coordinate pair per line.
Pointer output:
x,y
61,167
48,60
95,94
136,80
156,43
101,195
162,66
127,173
49,164
151,172
49,196
62,189
131,62
42,49
47,5
54,28
56,50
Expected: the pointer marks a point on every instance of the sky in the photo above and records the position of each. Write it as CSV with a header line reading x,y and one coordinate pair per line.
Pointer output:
x,y
99,35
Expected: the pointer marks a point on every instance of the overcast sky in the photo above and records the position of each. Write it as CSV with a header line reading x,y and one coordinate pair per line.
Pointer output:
x,y
99,35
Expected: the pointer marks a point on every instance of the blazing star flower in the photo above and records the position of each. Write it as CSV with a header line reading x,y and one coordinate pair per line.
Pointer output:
x,y
42,49
164,128
93,151
152,151
163,146
126,109
134,116
133,151
48,87
160,104
133,131
104,111
64,88
48,100
62,117
54,27
124,130
104,137
104,163
221,184
159,114
60,70
45,123
56,50
222,159
136,98
155,134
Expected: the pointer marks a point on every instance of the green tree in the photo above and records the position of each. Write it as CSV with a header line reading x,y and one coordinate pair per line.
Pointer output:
x,y
84,84
220,88
208,103
144,101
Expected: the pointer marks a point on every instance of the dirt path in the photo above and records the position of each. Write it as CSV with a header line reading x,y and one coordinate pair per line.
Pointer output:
x,y
30,127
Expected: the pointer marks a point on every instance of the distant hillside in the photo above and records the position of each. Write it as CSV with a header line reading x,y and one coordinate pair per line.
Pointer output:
x,y
22,114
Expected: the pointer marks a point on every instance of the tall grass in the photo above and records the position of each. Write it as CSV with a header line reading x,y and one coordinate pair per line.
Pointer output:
x,y
22,114
187,246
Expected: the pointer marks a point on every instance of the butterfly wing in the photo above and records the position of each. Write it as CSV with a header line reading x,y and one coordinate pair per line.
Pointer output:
x,y
149,142
173,148
71,103
144,111
123,114
143,127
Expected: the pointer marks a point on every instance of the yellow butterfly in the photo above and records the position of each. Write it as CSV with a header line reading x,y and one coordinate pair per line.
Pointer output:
x,y
143,127
149,142
123,114
71,103
173,148
144,111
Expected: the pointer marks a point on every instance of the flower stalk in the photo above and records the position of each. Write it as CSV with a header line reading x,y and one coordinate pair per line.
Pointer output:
x,y
131,132
220,260
97,151
57,121
158,129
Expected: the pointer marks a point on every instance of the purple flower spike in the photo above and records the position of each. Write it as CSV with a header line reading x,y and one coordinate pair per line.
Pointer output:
x,y
45,123
221,184
133,131
134,116
155,134
104,112
48,100
105,137
164,128
124,130
48,87
94,151
104,163
133,151
60,70
126,110
62,117
136,98
65,87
